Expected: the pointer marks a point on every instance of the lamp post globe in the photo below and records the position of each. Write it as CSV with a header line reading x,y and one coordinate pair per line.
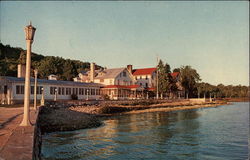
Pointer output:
x,y
29,36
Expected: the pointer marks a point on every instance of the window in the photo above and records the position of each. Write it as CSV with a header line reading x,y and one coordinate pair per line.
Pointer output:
x,y
5,89
140,77
80,91
59,90
38,89
124,74
146,77
68,91
63,91
19,89
135,77
101,80
52,90
97,91
32,90
92,92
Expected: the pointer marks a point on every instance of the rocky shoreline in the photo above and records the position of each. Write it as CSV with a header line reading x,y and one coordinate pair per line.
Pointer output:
x,y
73,117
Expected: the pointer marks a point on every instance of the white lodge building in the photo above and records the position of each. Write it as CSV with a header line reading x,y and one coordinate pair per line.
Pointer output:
x,y
119,83
12,90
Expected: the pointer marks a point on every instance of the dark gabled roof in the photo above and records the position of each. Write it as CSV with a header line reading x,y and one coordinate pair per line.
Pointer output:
x,y
55,82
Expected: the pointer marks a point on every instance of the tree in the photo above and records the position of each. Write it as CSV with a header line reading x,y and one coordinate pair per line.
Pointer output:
x,y
163,77
189,79
65,69
177,70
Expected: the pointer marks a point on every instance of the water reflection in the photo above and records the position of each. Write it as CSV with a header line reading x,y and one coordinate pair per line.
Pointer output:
x,y
190,134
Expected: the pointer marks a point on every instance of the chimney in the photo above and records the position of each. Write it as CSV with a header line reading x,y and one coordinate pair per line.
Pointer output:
x,y
130,68
92,72
21,70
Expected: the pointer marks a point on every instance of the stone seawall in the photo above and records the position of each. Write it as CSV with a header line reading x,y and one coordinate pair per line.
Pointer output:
x,y
37,141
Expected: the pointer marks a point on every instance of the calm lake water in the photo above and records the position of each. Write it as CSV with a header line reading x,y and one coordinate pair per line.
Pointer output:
x,y
211,133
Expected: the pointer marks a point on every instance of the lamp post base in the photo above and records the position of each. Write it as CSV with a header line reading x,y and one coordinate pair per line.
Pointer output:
x,y
25,123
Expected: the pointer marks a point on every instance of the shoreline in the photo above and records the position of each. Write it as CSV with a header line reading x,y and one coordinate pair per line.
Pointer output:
x,y
60,118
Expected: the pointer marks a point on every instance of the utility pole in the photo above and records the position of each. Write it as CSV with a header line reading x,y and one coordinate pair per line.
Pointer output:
x,y
157,80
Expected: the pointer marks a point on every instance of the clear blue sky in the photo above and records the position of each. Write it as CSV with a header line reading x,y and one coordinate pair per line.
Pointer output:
x,y
212,37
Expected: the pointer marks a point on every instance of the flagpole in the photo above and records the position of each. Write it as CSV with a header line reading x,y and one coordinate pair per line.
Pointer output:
x,y
157,79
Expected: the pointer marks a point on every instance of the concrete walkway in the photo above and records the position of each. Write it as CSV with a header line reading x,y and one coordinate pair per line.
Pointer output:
x,y
15,142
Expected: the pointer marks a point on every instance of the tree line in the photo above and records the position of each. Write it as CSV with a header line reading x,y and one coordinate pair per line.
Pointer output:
x,y
65,69
192,86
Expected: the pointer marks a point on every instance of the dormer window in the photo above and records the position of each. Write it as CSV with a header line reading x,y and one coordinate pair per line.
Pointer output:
x,y
124,74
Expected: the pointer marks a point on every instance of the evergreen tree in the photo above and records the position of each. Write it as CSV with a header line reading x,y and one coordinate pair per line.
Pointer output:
x,y
163,77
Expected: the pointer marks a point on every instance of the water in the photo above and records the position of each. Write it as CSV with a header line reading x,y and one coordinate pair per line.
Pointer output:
x,y
211,133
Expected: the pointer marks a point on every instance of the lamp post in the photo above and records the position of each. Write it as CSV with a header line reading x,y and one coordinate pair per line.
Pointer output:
x,y
42,99
55,98
29,34
87,94
35,89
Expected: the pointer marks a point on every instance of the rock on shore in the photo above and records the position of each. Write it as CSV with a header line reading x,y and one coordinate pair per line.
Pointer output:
x,y
63,119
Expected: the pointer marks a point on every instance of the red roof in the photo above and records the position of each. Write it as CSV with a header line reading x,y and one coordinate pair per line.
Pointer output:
x,y
122,86
175,74
143,71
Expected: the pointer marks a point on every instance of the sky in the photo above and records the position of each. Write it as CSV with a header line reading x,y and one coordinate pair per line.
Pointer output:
x,y
212,37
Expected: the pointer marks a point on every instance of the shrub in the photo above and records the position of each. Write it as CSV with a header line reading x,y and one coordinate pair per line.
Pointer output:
x,y
105,97
74,97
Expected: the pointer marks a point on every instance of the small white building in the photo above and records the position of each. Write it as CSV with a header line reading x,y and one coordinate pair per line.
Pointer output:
x,y
52,77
